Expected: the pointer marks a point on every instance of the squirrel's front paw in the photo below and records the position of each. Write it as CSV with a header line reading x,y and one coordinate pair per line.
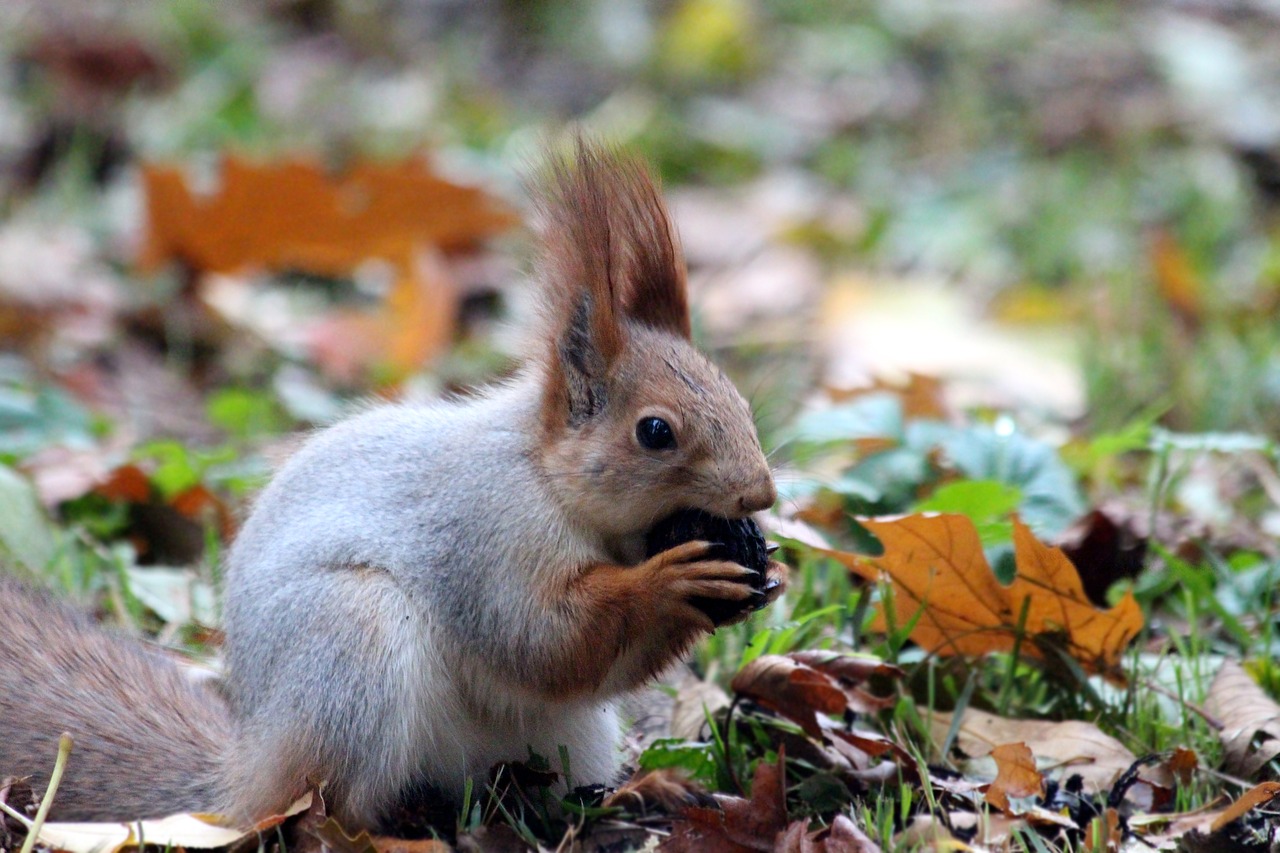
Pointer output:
x,y
703,593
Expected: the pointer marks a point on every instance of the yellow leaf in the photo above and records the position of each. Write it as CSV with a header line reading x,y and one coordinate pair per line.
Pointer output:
x,y
937,569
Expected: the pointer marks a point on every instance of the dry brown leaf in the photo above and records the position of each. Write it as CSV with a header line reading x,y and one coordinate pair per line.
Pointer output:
x,y
922,396
1254,797
1078,746
665,789
695,699
802,684
1016,775
792,689
842,836
937,568
128,483
1182,764
739,824
1247,714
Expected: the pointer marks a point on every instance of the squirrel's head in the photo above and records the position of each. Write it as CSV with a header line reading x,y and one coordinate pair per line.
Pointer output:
x,y
636,422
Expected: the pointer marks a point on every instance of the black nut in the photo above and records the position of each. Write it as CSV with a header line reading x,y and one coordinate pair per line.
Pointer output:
x,y
737,540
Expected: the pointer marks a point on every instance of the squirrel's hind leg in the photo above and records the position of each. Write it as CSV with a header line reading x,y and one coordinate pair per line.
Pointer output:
x,y
347,713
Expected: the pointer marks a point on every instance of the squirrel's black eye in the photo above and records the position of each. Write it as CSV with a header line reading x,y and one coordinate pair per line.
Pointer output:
x,y
655,434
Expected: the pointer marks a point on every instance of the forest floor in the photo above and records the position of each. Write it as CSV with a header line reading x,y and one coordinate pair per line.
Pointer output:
x,y
1000,278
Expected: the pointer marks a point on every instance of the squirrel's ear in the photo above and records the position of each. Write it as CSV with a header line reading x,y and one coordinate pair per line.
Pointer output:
x,y
579,270
655,292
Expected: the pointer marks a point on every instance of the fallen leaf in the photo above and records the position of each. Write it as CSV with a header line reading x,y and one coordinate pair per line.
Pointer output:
x,y
666,789
1251,720
295,216
190,831
1077,746
922,396
695,700
401,334
127,484
792,689
938,570
1182,764
842,836
1016,775
1176,279
1251,799
739,824
801,685
89,65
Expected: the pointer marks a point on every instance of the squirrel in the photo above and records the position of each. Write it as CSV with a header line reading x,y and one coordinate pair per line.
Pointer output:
x,y
424,590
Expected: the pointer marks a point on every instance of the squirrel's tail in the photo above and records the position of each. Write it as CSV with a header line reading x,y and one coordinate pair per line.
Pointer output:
x,y
148,741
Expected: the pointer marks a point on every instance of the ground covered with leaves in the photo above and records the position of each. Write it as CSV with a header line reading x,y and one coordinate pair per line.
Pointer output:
x,y
1001,279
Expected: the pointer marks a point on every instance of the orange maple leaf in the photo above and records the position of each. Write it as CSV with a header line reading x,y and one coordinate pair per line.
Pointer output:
x,y
937,570
294,215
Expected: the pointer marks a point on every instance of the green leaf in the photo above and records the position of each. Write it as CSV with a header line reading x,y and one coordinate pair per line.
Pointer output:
x,y
25,532
696,759
245,413
1051,498
871,416
987,502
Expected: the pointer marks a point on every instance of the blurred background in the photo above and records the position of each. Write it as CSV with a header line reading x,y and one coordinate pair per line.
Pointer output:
x,y
222,222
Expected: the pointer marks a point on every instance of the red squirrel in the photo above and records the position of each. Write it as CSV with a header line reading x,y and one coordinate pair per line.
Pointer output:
x,y
425,590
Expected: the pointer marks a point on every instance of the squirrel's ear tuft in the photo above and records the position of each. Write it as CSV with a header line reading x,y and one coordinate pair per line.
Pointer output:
x,y
609,257
654,291
605,230
580,281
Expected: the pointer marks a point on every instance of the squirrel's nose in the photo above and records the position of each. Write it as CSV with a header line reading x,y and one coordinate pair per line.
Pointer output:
x,y
759,497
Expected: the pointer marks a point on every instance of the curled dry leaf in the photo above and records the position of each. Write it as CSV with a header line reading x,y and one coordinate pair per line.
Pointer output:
x,y
739,824
938,570
1254,797
1251,720
1016,775
665,789
802,684
695,700
842,836
1182,764
1077,746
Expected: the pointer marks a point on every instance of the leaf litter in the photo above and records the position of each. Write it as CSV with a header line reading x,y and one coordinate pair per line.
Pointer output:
x,y
845,724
